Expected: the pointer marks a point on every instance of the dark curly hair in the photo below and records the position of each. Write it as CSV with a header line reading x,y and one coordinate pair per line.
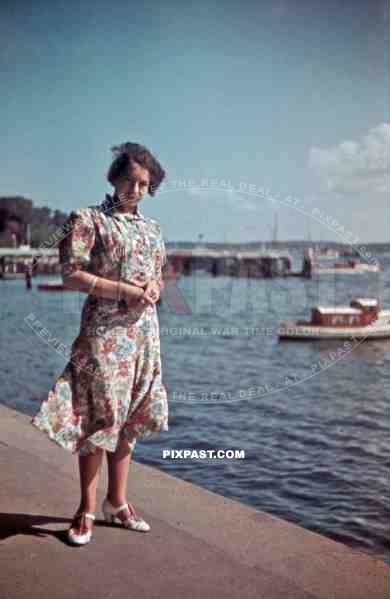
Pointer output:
x,y
128,151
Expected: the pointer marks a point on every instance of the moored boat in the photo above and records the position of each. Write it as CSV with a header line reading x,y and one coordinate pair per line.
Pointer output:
x,y
348,267
53,287
363,318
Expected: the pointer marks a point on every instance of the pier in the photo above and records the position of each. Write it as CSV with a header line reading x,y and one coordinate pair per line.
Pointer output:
x,y
248,264
14,261
200,544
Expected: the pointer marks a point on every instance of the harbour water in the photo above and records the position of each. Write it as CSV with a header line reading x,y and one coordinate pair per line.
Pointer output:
x,y
315,428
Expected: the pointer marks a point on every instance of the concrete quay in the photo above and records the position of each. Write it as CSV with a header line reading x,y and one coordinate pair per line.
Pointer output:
x,y
200,543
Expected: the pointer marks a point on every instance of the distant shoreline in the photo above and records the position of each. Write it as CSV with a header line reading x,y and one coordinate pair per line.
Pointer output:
x,y
290,244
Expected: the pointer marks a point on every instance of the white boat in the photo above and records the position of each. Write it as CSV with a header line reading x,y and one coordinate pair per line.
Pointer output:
x,y
52,284
351,267
363,319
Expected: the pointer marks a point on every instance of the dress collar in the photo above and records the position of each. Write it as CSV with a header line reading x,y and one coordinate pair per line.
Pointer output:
x,y
111,207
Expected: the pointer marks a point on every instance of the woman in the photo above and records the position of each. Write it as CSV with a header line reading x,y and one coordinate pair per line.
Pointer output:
x,y
111,392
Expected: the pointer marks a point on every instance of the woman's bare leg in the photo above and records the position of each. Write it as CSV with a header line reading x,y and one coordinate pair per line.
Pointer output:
x,y
118,463
118,471
89,467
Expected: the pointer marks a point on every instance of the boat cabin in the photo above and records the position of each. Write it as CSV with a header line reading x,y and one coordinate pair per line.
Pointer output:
x,y
360,313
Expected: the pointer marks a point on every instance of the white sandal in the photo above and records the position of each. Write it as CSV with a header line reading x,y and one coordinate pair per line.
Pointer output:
x,y
79,524
134,522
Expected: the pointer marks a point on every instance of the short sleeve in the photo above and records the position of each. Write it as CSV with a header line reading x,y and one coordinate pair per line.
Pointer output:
x,y
75,248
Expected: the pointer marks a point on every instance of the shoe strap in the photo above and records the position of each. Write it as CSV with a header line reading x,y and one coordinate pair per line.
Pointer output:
x,y
86,514
129,507
120,508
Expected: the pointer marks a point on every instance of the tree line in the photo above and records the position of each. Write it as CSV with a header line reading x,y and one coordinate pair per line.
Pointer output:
x,y
16,212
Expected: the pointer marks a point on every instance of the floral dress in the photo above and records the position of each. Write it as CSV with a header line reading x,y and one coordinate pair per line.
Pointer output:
x,y
111,388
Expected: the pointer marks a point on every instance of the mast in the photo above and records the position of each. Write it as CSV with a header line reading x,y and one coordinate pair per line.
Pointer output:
x,y
275,227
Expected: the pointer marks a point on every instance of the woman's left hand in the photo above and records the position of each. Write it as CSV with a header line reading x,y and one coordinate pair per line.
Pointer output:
x,y
151,293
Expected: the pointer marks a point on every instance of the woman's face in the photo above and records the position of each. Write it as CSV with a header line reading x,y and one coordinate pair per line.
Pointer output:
x,y
132,188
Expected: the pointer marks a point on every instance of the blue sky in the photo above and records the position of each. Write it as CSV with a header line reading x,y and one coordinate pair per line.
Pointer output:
x,y
263,93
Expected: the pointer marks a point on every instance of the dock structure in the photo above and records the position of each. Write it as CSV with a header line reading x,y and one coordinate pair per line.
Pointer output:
x,y
253,264
256,264
261,263
200,544
14,261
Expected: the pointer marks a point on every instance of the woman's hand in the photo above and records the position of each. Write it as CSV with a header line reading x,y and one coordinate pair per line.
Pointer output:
x,y
151,293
